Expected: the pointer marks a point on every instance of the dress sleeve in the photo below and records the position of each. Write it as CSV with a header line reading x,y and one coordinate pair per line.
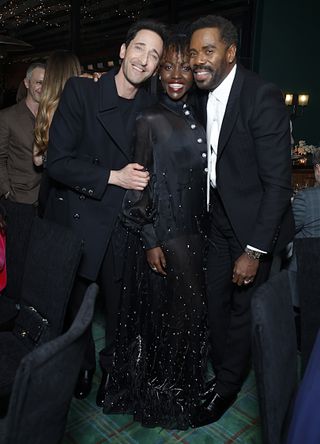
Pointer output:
x,y
139,207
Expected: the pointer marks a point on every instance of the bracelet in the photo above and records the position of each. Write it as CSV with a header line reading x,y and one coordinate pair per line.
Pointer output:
x,y
253,254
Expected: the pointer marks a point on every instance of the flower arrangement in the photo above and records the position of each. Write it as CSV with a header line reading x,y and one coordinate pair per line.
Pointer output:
x,y
302,148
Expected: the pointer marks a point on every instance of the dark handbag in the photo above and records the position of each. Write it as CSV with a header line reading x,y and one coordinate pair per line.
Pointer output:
x,y
30,326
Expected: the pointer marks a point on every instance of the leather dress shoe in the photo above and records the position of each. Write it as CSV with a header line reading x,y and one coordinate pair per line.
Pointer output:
x,y
103,387
84,384
211,410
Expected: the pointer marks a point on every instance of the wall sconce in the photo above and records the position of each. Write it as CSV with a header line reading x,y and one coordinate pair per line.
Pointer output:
x,y
296,101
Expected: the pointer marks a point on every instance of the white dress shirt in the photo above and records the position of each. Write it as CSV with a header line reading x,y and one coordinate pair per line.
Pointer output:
x,y
216,107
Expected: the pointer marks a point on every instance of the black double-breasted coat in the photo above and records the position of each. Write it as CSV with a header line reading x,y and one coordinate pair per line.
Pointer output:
x,y
88,138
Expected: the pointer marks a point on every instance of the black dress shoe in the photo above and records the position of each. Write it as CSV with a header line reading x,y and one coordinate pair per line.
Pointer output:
x,y
103,387
84,384
211,411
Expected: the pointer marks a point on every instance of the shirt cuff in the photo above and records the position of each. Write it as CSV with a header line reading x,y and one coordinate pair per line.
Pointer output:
x,y
256,249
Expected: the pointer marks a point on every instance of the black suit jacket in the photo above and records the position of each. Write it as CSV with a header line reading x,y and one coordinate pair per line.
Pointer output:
x,y
88,138
254,163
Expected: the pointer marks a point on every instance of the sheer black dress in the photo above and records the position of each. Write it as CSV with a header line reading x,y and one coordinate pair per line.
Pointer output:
x,y
160,357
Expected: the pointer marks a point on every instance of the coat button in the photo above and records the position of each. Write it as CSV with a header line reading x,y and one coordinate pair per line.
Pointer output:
x,y
76,216
193,126
204,155
83,190
90,192
199,140
206,170
82,197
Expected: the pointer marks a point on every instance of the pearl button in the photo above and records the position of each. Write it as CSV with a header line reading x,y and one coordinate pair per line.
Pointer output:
x,y
199,140
187,113
206,170
192,126
204,154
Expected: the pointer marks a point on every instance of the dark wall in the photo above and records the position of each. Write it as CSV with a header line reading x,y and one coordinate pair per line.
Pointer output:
x,y
287,53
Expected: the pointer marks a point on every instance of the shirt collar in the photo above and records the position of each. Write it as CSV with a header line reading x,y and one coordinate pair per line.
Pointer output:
x,y
222,92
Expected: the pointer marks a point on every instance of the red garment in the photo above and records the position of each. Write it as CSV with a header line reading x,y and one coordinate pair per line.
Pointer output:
x,y
3,265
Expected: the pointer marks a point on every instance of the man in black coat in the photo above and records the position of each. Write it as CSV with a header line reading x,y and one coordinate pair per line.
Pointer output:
x,y
89,159
249,190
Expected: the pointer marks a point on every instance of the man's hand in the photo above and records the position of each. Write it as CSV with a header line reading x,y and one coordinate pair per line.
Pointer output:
x,y
132,177
244,270
156,260
95,76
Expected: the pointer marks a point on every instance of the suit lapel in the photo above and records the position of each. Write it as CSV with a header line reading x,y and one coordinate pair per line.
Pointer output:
x,y
109,114
232,111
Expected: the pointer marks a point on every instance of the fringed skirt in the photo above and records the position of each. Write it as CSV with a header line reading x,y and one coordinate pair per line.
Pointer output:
x,y
160,358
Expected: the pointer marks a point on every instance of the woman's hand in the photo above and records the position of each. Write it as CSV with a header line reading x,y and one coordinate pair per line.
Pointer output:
x,y
156,260
37,158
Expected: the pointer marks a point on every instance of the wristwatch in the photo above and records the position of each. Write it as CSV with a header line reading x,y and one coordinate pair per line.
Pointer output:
x,y
253,254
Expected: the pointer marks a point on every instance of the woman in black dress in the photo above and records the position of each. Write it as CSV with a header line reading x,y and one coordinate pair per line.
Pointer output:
x,y
161,351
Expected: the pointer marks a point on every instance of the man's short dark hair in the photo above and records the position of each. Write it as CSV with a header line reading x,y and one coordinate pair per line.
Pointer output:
x,y
228,31
151,25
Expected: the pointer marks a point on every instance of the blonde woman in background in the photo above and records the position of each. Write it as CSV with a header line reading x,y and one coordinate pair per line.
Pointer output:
x,y
61,65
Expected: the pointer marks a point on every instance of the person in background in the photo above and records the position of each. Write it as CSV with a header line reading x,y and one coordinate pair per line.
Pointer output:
x,y
19,178
306,212
3,268
89,160
306,205
249,191
61,65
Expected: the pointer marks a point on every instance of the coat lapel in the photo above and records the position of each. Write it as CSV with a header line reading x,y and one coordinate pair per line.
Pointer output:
x,y
109,114
232,111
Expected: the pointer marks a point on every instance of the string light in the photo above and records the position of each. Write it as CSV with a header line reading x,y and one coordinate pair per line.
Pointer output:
x,y
17,13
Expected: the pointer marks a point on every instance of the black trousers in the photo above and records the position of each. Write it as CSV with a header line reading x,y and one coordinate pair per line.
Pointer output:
x,y
110,285
229,310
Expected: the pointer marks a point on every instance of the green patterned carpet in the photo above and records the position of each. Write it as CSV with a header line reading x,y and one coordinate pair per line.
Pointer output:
x,y
88,425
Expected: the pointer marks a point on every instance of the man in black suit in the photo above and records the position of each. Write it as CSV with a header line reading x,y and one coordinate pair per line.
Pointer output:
x,y
249,190
89,162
